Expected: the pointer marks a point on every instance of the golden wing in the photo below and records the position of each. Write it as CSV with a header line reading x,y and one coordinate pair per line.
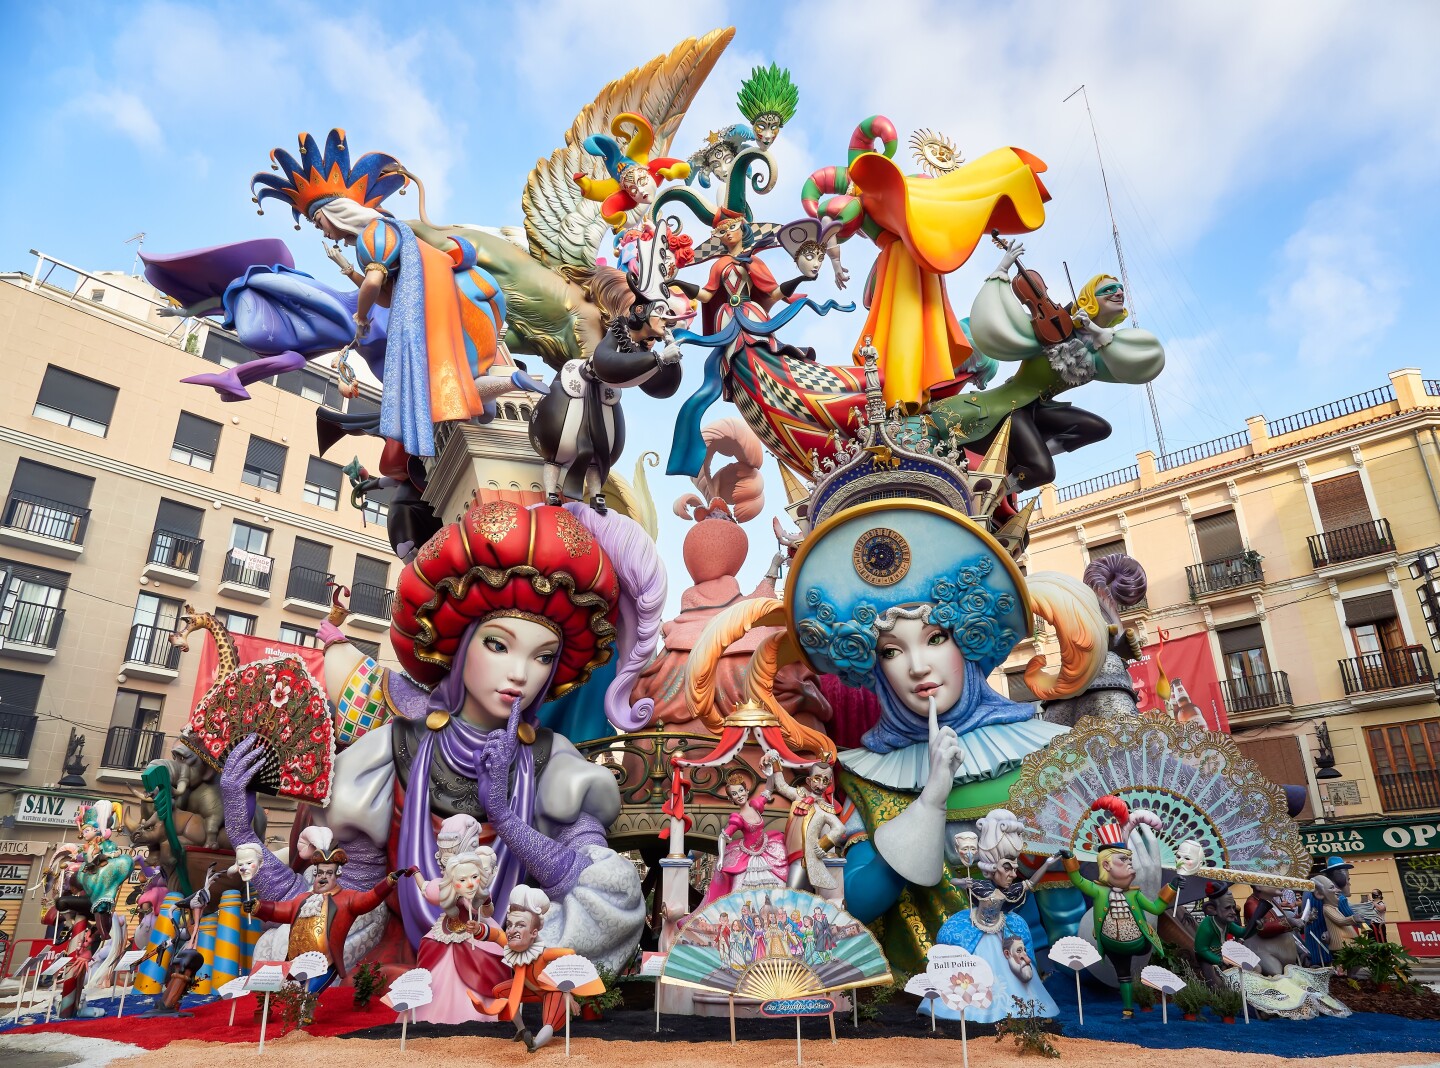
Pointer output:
x,y
562,227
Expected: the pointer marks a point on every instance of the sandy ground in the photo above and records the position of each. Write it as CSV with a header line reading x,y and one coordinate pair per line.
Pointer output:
x,y
303,1051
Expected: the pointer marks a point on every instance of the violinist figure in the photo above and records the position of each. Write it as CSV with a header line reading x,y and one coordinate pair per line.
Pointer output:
x,y
1085,344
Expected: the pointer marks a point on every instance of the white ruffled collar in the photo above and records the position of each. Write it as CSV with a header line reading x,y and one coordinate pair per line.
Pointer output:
x,y
526,957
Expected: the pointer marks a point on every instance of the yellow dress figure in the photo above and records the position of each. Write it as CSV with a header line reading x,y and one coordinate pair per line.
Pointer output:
x,y
928,227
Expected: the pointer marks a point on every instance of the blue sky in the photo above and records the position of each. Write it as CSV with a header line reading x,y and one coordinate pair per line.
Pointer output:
x,y
1274,166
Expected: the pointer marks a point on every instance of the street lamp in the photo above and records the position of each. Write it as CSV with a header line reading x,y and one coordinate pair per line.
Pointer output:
x,y
1324,755
1423,569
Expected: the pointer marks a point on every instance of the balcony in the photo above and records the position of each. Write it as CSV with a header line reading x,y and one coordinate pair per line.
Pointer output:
x,y
1257,698
32,632
174,558
370,606
1217,577
1392,677
46,526
16,731
150,655
1404,790
307,592
246,576
1353,550
128,750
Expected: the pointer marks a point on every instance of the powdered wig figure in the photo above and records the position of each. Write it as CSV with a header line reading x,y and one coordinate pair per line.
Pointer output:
x,y
481,864
1002,836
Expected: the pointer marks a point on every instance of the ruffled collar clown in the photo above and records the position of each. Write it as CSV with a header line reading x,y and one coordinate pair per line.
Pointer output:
x,y
918,604
768,99
634,178
439,339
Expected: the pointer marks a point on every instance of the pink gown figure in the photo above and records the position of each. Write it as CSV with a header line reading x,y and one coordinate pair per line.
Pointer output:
x,y
461,950
758,857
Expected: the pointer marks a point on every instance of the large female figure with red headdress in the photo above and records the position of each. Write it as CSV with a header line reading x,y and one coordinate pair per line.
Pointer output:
x,y
497,613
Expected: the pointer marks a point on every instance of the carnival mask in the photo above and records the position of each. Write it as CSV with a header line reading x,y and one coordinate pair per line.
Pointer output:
x,y
809,259
639,183
1189,857
920,662
508,658
767,128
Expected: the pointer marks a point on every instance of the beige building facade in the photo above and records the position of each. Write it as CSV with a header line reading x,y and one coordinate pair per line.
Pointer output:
x,y
1288,546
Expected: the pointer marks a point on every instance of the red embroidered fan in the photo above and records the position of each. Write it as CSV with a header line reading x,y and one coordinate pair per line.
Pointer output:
x,y
280,701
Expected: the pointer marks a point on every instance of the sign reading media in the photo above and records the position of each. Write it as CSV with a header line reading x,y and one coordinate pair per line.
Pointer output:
x,y
1342,839
54,810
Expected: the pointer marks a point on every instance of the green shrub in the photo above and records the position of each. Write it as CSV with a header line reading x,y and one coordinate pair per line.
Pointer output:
x,y
1384,962
1027,1027
1227,1002
611,999
1192,997
369,981
1146,997
877,997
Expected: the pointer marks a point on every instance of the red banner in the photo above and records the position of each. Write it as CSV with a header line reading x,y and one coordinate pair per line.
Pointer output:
x,y
250,649
1420,939
1194,687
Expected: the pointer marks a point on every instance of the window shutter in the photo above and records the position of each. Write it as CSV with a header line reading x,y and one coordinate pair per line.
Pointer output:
x,y
362,406
371,572
20,691
179,518
41,576
218,348
370,649
52,483
78,395
1341,502
1372,608
1241,639
1219,537
1016,688
323,473
266,455
1279,760
198,434
311,554
1109,548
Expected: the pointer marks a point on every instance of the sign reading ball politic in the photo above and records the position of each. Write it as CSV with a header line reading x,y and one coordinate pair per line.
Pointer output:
x,y
944,959
1161,979
570,972
1240,955
410,991
309,965
1074,952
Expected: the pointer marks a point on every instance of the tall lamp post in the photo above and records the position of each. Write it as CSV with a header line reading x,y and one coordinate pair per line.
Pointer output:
x,y
1324,766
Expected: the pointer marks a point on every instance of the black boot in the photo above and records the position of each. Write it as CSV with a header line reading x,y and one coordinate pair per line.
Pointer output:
x,y
597,502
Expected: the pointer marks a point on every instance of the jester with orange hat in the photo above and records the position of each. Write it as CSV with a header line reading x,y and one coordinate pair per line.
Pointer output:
x,y
497,613
1121,930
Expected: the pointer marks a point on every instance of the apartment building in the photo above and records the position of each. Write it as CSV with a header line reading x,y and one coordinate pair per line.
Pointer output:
x,y
1284,551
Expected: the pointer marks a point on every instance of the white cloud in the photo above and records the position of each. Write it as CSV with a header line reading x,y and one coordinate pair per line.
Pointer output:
x,y
124,113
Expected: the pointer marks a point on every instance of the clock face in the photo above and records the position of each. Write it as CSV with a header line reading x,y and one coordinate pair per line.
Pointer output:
x,y
881,557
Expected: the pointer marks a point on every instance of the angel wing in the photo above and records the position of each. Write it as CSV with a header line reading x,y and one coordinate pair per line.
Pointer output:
x,y
562,227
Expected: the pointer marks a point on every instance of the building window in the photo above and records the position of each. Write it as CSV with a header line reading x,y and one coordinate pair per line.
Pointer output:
x,y
1382,660
249,539
49,502
30,604
1405,756
235,622
1374,624
134,738
176,540
248,563
1016,688
293,635
97,295
311,385
75,401
19,698
1243,650
310,575
1219,537
370,649
155,620
196,442
322,483
264,464
370,589
377,506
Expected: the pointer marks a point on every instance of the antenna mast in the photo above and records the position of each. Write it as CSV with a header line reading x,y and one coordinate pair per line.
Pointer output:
x,y
139,240
1120,257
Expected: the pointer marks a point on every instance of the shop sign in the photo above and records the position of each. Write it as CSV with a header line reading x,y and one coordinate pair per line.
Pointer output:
x,y
1342,839
55,810
1420,939
1420,883
14,881
22,849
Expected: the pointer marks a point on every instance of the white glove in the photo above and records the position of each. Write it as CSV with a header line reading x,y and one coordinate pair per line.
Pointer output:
x,y
670,355
1007,261
337,257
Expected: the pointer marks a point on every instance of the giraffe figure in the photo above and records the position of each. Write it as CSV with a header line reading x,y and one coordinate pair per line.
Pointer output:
x,y
190,621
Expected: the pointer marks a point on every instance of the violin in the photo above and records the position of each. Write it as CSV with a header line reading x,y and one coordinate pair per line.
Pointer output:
x,y
1051,322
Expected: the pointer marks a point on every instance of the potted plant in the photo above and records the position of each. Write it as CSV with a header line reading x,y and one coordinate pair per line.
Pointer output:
x,y
368,981
594,1008
1145,998
1227,1003
1192,998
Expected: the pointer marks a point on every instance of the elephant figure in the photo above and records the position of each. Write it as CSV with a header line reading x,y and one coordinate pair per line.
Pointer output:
x,y
193,790
1274,940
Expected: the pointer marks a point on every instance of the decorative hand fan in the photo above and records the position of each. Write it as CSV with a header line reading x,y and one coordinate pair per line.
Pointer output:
x,y
280,701
1194,779
774,943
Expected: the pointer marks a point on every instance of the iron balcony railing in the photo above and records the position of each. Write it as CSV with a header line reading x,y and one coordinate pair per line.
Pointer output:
x,y
16,731
1401,790
1227,573
373,601
1253,693
1392,669
36,625
55,520
244,573
178,551
131,749
1432,387
1203,451
1371,398
307,584
1109,480
151,645
1351,543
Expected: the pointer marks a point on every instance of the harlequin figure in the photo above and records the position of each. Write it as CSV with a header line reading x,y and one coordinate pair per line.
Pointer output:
x,y
1120,928
634,177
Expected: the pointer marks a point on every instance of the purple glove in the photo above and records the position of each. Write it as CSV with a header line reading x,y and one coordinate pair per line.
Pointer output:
x,y
329,634
274,881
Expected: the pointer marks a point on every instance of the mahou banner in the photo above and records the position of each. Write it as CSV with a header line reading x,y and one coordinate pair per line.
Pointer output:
x,y
250,649
1194,686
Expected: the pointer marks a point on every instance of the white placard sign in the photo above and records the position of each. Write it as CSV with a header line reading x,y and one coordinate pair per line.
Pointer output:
x,y
129,960
943,959
266,978
235,988
1240,955
410,991
652,964
55,966
923,985
1161,979
1074,952
570,971
309,965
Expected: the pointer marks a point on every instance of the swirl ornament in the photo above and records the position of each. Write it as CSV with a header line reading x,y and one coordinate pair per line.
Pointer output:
x,y
881,556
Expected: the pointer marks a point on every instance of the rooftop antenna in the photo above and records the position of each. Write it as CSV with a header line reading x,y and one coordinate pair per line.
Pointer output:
x,y
1119,255
139,240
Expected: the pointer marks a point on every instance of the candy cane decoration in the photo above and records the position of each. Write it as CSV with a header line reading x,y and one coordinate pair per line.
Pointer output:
x,y
828,194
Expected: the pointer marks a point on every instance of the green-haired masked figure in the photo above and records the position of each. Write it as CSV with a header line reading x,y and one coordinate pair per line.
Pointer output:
x,y
768,99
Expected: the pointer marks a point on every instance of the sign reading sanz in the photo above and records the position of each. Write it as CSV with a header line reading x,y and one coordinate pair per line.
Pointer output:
x,y
1371,838
52,809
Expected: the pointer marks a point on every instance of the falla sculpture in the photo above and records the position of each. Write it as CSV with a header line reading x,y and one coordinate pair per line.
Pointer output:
x,y
871,794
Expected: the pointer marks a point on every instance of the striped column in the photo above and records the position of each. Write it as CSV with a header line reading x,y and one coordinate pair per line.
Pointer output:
x,y
206,945
150,979
235,937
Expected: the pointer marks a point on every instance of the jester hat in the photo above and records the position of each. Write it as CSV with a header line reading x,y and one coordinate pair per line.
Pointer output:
x,y
540,564
318,177
610,192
